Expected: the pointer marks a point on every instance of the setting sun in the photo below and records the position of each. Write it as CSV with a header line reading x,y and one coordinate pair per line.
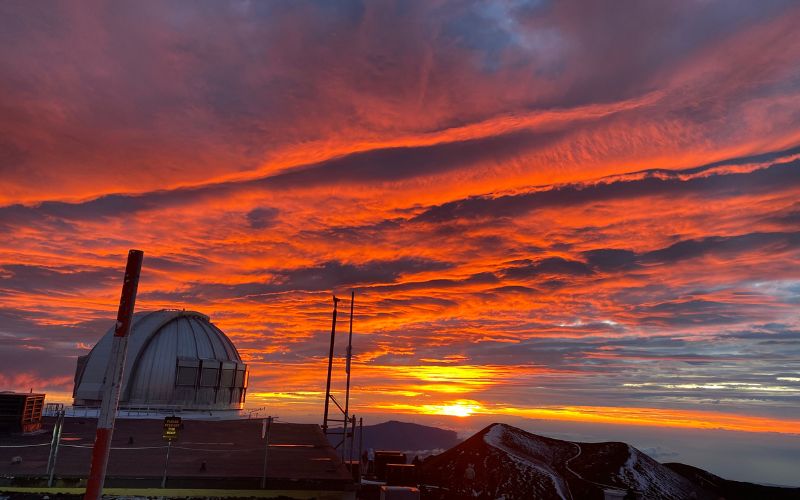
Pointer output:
x,y
460,409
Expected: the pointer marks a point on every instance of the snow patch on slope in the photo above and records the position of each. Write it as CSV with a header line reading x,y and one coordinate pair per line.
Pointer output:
x,y
639,472
500,434
630,472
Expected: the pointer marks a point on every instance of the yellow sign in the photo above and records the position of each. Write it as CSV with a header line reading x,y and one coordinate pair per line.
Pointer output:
x,y
171,427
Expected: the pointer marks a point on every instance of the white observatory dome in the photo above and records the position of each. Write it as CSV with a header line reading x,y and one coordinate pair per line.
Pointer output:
x,y
175,360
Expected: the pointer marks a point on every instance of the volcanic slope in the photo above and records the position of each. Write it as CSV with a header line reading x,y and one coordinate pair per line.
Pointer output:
x,y
502,461
734,490
622,466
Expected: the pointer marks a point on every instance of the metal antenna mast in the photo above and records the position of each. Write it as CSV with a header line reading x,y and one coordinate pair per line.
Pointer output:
x,y
347,369
346,418
330,367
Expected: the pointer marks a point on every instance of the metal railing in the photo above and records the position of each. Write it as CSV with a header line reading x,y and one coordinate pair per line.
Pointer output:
x,y
155,411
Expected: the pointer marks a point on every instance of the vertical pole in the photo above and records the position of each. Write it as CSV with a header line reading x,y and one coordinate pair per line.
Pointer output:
x,y
330,367
347,369
113,377
352,438
57,440
360,436
52,445
166,464
360,442
268,422
344,436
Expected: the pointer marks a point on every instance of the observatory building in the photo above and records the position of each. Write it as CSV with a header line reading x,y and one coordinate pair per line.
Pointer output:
x,y
175,360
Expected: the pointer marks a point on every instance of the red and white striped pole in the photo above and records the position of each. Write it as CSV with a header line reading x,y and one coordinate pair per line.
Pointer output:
x,y
113,377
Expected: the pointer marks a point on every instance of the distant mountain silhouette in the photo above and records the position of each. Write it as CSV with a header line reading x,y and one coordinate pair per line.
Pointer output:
x,y
404,436
502,461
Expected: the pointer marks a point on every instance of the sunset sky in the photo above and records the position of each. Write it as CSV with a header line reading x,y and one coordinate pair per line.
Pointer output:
x,y
571,211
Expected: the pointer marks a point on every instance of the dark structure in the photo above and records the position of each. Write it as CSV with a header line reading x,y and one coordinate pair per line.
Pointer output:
x,y
384,458
208,455
20,412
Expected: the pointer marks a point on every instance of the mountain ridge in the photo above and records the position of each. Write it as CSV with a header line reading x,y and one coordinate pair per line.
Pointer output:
x,y
502,461
416,439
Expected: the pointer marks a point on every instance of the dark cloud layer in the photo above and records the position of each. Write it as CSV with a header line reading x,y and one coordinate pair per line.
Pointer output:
x,y
776,177
614,259
15,277
323,277
546,267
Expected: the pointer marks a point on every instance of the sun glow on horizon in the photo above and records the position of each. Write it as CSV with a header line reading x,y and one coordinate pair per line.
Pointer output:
x,y
647,417
461,408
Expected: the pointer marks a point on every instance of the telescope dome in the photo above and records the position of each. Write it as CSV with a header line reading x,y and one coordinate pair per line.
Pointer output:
x,y
176,359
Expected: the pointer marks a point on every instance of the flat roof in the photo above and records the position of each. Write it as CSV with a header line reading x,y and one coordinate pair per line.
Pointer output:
x,y
299,456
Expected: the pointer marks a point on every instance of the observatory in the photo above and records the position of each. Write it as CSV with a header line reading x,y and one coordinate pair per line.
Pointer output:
x,y
176,359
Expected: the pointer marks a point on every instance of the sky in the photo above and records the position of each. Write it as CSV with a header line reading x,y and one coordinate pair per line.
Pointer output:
x,y
571,212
